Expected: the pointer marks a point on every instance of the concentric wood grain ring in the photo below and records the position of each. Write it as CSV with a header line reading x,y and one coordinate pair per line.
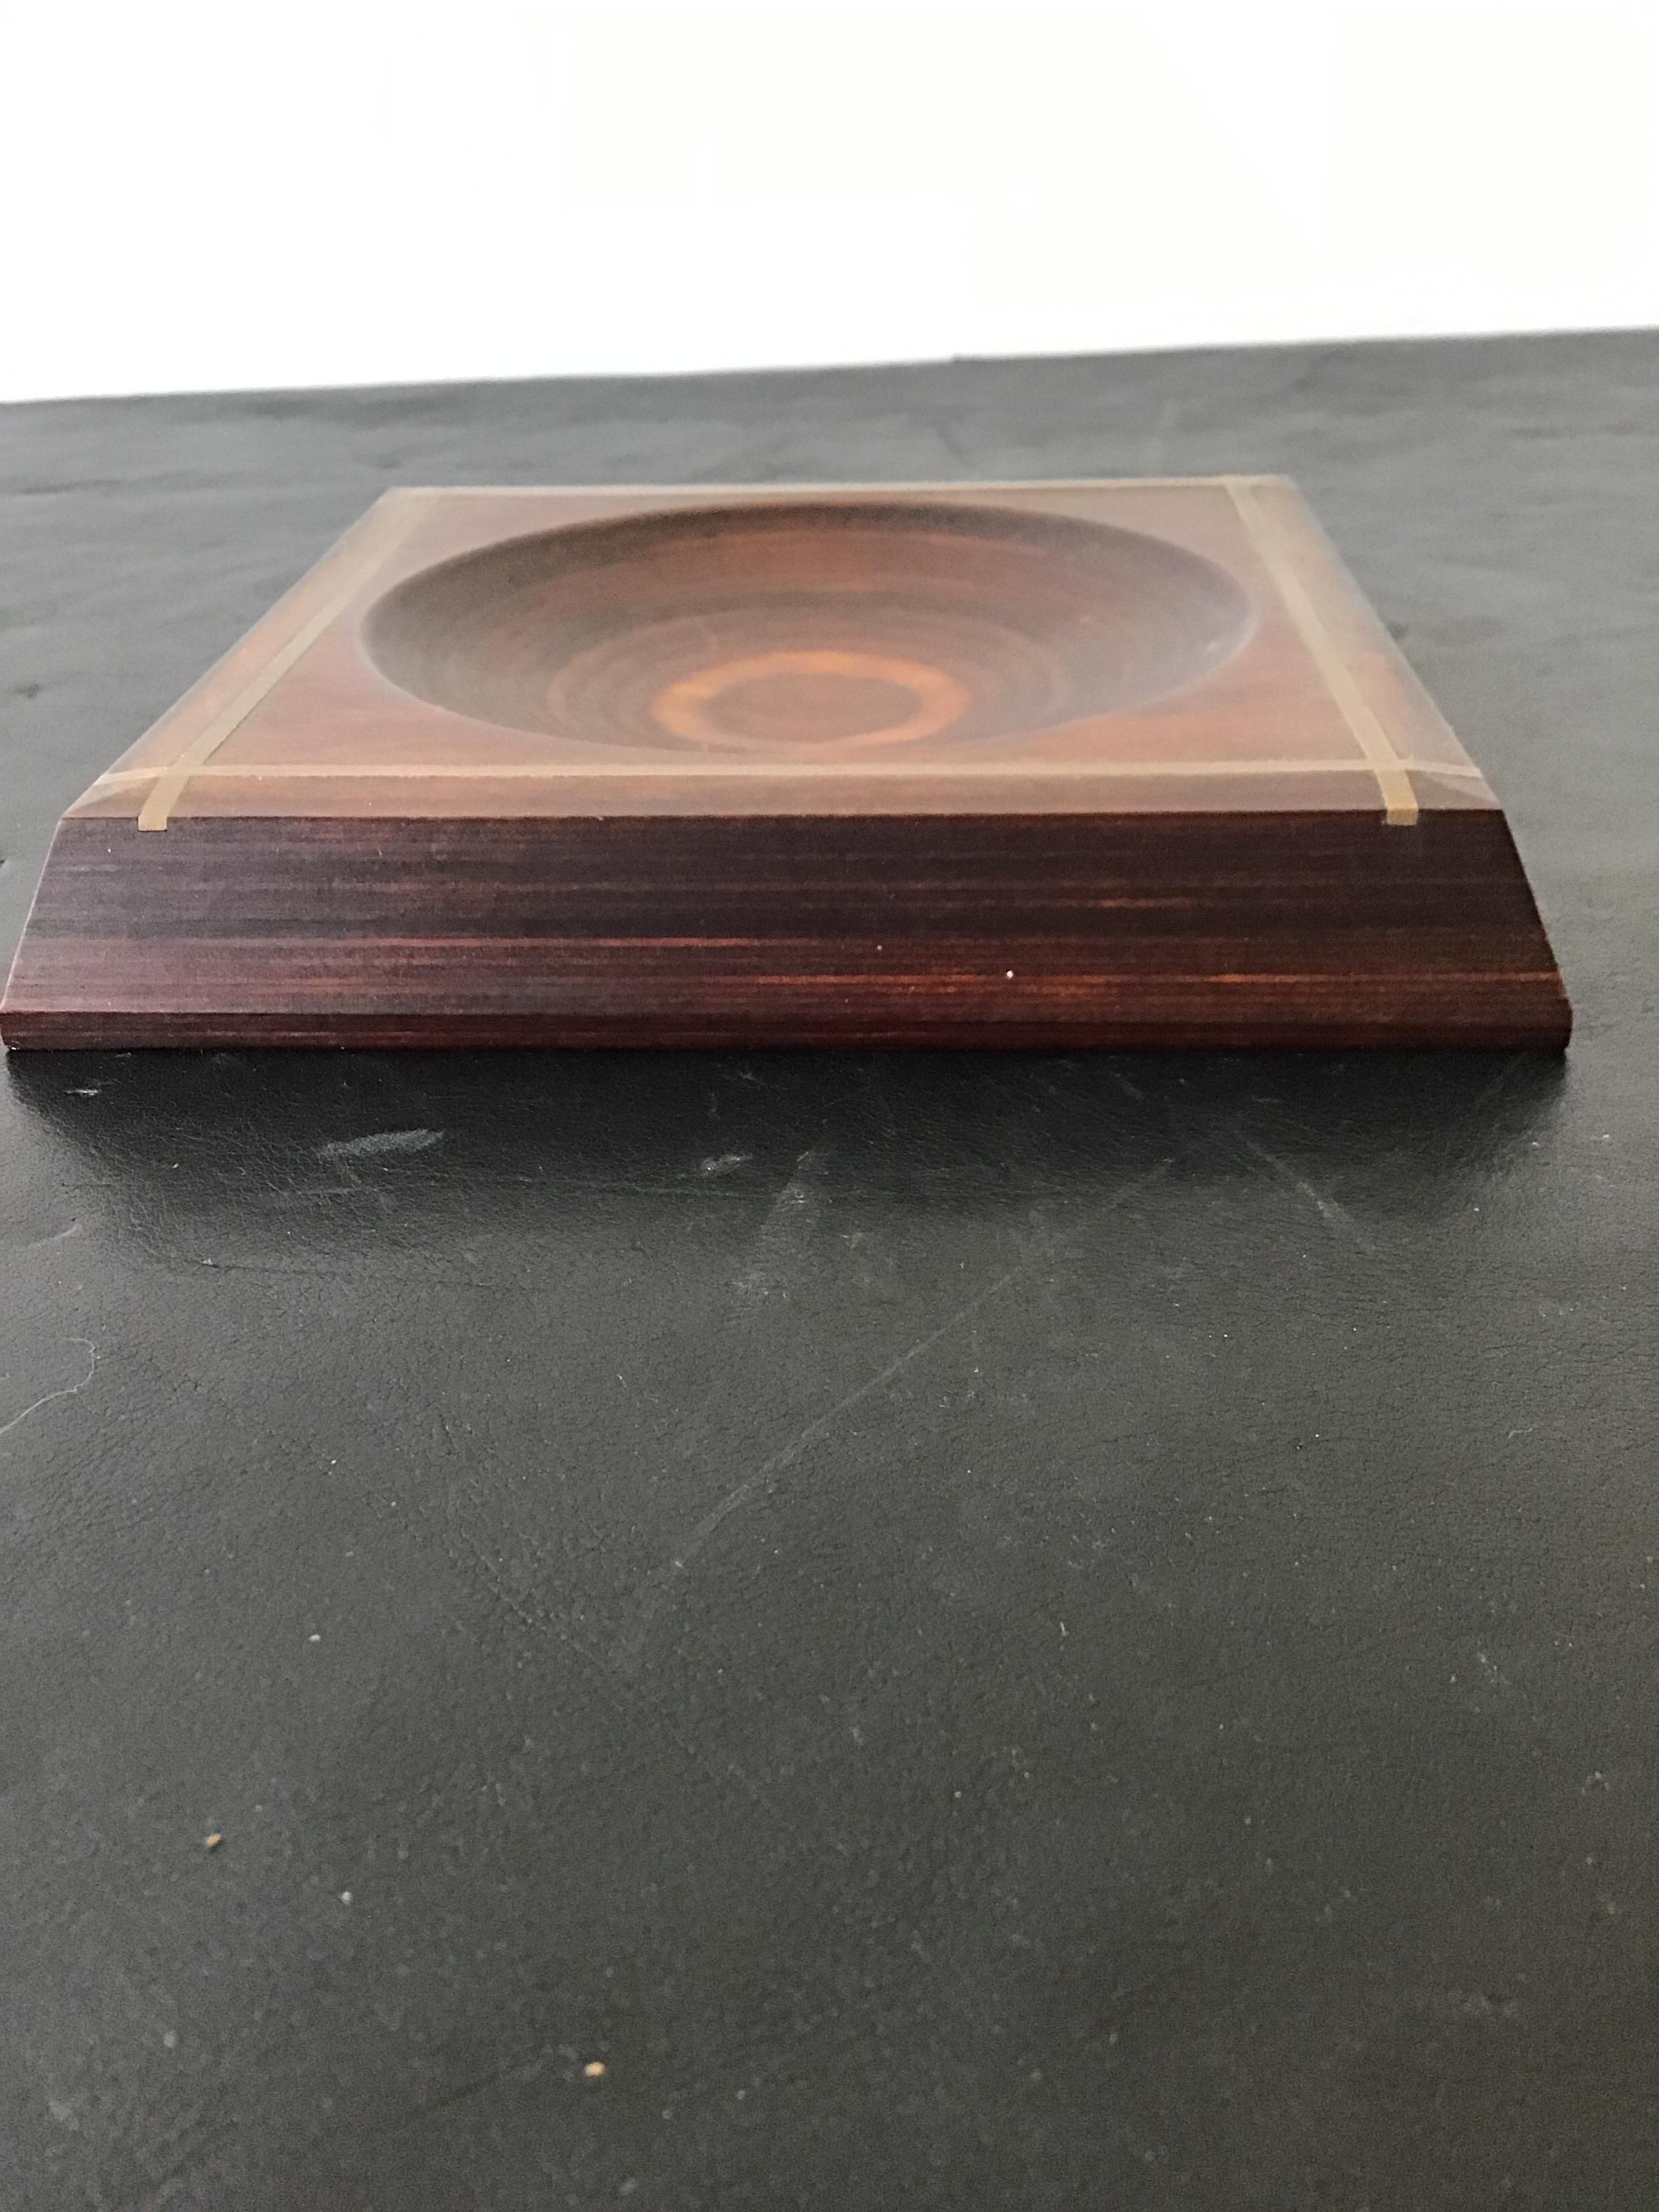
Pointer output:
x,y
800,627
819,696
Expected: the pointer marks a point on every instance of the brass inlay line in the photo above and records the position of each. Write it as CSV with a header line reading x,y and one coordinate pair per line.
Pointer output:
x,y
562,771
383,532
1399,799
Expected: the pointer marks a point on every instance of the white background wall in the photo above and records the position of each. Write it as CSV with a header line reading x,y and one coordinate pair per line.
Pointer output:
x,y
217,193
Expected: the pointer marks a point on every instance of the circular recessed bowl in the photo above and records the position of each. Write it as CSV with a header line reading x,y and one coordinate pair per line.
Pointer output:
x,y
810,628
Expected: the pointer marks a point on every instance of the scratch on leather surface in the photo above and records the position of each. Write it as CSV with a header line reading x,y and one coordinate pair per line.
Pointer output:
x,y
662,1585
612,1680
1331,1212
51,1397
379,1142
779,1254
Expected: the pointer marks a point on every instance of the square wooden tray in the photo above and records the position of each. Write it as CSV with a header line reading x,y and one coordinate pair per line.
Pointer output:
x,y
1107,763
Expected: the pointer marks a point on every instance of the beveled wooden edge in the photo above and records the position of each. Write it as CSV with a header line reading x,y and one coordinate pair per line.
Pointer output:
x,y
382,530
776,771
1393,782
849,484
244,660
1299,931
27,1030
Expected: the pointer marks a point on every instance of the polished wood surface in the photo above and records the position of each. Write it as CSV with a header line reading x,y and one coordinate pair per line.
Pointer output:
x,y
809,627
980,764
974,931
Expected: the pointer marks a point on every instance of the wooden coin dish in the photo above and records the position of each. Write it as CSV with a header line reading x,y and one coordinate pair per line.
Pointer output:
x,y
1124,765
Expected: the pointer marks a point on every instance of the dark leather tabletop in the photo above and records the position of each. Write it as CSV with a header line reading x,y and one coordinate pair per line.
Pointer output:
x,y
845,1632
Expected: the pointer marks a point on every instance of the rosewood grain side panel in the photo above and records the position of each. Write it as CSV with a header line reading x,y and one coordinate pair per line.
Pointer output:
x,y
1097,930
711,876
